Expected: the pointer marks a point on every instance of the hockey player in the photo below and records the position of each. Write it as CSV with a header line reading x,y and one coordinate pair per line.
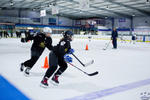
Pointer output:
x,y
40,41
59,56
114,38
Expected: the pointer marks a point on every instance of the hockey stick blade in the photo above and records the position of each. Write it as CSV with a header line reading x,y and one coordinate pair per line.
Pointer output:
x,y
92,74
89,63
84,65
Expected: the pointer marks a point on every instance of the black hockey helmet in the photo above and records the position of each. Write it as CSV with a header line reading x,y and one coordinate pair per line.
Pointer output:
x,y
68,34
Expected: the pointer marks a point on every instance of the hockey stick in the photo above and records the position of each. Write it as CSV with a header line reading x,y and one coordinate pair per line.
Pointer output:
x,y
87,64
89,74
107,45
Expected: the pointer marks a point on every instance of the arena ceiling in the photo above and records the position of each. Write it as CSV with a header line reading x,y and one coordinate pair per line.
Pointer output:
x,y
71,8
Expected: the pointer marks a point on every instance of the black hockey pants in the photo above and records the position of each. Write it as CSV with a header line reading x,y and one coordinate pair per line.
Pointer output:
x,y
35,54
54,61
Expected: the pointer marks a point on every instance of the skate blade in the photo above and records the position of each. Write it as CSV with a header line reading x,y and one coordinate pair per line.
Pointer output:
x,y
43,86
21,70
54,83
27,75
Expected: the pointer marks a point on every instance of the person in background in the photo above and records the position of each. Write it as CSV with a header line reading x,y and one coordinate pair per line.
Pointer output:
x,y
11,33
27,33
133,40
40,41
0,34
59,56
114,36
5,34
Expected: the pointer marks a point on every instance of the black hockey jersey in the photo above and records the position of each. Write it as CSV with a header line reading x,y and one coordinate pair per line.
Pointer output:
x,y
62,48
40,41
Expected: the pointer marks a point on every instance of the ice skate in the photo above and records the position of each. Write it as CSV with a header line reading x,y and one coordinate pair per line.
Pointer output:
x,y
55,80
26,72
22,67
44,82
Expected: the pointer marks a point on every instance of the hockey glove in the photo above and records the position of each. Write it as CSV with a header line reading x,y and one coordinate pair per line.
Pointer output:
x,y
67,58
23,40
71,51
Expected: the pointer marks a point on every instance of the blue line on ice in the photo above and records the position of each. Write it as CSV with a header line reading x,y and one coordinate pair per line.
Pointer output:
x,y
106,92
9,92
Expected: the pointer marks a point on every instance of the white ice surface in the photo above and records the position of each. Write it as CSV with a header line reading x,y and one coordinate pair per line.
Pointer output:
x,y
128,64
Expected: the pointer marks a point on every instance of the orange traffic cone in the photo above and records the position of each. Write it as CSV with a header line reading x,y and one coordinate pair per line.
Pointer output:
x,y
46,63
86,48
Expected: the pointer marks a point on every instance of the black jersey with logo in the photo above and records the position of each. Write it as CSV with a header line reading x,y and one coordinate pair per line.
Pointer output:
x,y
40,41
62,48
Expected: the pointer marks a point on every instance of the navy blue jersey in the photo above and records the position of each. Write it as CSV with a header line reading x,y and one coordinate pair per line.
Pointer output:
x,y
114,34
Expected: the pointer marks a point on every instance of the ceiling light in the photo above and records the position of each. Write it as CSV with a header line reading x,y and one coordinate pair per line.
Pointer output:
x,y
107,7
33,9
11,3
49,5
80,11
133,15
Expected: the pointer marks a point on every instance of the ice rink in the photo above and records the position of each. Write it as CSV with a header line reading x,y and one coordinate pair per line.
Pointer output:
x,y
124,73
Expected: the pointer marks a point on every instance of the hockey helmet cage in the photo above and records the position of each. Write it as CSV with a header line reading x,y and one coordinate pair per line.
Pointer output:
x,y
67,34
